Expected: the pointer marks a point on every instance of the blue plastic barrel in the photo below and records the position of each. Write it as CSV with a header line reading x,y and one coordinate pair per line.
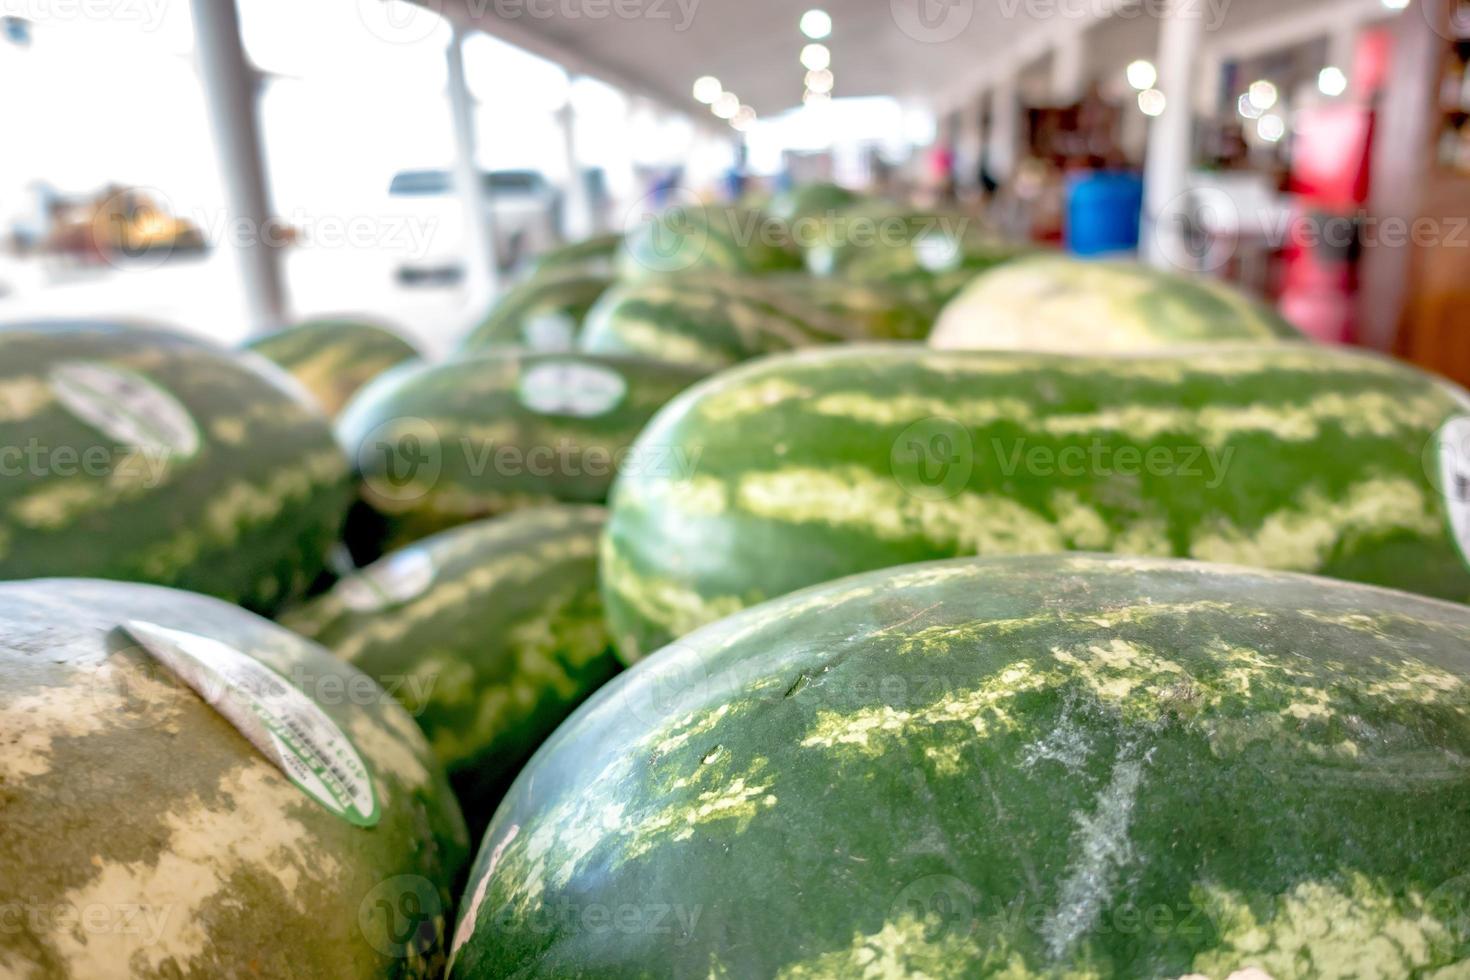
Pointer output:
x,y
1102,212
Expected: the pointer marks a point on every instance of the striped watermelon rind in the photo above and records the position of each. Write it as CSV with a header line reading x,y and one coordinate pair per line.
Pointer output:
x,y
489,634
334,357
142,456
144,836
1285,456
596,255
544,313
1052,302
436,446
691,236
1081,766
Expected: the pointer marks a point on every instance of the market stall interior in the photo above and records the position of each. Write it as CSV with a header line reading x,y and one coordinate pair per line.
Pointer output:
x,y
713,488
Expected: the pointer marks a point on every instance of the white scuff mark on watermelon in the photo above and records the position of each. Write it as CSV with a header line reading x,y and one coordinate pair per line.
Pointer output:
x,y
204,846
115,692
1352,927
395,748
22,398
470,916
1066,744
1102,850
852,497
1299,537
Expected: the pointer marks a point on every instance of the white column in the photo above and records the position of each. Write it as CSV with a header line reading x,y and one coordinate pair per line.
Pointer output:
x,y
578,221
1166,166
230,94
1342,48
1005,126
1068,68
481,272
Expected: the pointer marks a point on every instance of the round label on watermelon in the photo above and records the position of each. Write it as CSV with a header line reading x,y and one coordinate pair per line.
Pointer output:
x,y
288,728
396,579
1452,447
572,388
126,407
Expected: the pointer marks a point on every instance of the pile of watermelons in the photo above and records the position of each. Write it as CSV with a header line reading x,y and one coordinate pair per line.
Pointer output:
x,y
830,590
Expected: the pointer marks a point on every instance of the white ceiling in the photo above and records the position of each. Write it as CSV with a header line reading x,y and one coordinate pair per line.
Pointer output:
x,y
879,47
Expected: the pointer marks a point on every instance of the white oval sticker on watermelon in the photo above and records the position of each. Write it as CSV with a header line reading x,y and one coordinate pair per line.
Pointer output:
x,y
126,407
286,726
572,388
1453,442
392,581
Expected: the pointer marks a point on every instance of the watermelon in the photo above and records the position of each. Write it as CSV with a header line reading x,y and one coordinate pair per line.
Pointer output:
x,y
132,453
1288,456
440,445
596,255
1041,766
707,237
543,313
1052,302
871,310
489,634
811,201
709,321
876,241
334,357
146,834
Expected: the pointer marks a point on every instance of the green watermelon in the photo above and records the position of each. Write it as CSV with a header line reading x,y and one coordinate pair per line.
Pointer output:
x,y
132,453
689,237
596,255
1043,766
543,313
144,833
811,202
836,461
876,241
440,445
1052,302
334,357
709,321
489,634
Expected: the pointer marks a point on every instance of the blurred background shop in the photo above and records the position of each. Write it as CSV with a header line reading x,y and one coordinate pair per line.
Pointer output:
x,y
235,166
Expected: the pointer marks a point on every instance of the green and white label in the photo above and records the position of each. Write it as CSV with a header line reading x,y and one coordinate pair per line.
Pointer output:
x,y
278,719
1453,451
126,407
572,388
394,580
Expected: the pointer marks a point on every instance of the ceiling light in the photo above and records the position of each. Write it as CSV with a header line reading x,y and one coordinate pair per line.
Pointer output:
x,y
819,81
1396,4
815,24
707,89
815,57
744,118
1262,94
1331,81
727,105
1271,128
1152,102
1142,74
1247,108
815,98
